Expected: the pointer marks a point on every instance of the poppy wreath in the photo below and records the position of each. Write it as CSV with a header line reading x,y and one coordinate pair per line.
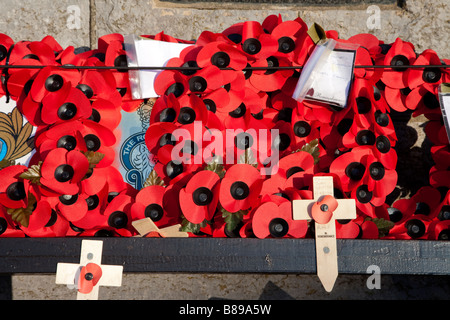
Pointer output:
x,y
242,79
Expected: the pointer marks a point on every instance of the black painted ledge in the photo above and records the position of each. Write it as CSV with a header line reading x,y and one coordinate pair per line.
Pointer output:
x,y
228,255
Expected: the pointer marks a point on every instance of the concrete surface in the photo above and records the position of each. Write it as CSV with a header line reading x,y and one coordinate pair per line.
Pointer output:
x,y
81,22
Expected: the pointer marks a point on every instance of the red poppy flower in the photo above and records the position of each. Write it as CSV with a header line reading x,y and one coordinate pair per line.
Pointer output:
x,y
401,53
440,230
118,214
275,221
19,83
430,77
115,55
62,170
149,204
93,210
52,79
80,135
439,175
222,55
96,84
45,222
65,104
105,113
198,200
89,277
6,42
13,189
39,51
8,226
270,79
158,135
396,98
436,132
423,101
347,229
202,81
161,36
240,187
304,131
256,44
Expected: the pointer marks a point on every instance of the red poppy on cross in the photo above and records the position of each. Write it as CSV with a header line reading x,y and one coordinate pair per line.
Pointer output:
x,y
324,210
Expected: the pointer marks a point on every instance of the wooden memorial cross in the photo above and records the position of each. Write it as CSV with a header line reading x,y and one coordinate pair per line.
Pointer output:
x,y
89,274
147,228
324,210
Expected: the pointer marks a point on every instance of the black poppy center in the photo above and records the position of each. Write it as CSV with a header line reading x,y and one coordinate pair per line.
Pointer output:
x,y
3,52
68,199
235,37
278,227
422,208
190,68
431,75
67,142
377,171
365,137
176,88
220,59
210,105
64,173
3,225
167,139
87,90
395,215
344,126
118,219
16,191
251,46
431,101
285,114
197,84
54,83
272,63
239,111
364,105
286,45
95,116
415,228
173,169
282,141
92,142
399,61
67,111
302,129
154,211
444,214
243,141
293,170
239,190
187,115
247,71
92,202
355,171
382,119
167,115
190,147
363,194
202,196
383,144
121,61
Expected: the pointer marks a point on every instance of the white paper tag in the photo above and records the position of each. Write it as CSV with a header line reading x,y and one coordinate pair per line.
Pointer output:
x,y
331,83
444,99
142,52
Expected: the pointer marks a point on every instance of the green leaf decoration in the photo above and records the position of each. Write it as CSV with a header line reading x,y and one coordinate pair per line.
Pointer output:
x,y
22,215
312,148
218,168
233,219
33,174
187,226
153,180
383,226
248,158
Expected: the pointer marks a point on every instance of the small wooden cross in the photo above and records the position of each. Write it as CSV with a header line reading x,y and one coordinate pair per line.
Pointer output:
x,y
147,227
91,252
325,232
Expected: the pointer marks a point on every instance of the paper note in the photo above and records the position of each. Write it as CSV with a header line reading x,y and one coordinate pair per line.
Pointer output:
x,y
143,52
444,99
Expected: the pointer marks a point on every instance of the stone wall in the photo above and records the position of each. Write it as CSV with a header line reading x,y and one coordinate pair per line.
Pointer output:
x,y
81,22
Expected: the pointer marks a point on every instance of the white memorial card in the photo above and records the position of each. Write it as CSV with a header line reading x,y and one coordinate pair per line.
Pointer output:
x,y
444,99
143,52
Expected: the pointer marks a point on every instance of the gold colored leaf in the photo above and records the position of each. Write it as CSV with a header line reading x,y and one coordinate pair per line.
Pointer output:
x,y
248,158
6,163
153,180
33,173
313,149
93,157
17,121
217,168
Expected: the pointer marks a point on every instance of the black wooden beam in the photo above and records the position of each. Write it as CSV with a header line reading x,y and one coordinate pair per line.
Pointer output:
x,y
228,255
